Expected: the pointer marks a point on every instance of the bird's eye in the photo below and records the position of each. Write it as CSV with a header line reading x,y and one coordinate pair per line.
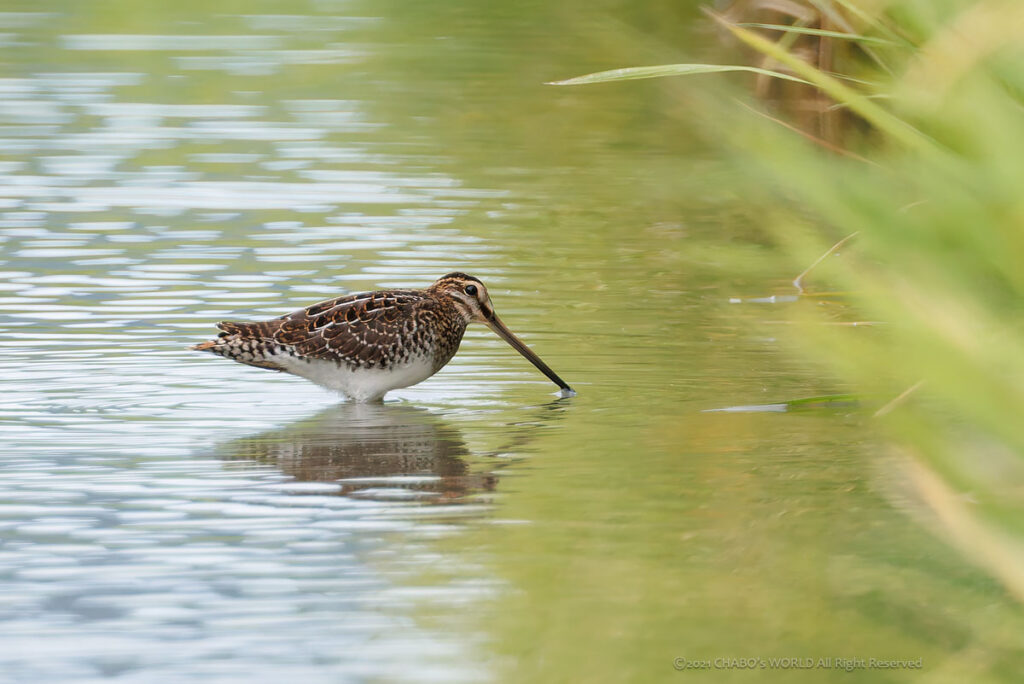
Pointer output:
x,y
471,290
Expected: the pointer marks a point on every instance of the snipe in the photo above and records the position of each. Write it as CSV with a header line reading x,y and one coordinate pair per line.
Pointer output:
x,y
365,345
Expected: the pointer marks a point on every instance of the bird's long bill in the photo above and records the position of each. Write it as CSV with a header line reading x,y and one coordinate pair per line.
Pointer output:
x,y
495,324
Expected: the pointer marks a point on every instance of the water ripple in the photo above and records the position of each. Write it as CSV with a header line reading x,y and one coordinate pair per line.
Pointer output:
x,y
149,494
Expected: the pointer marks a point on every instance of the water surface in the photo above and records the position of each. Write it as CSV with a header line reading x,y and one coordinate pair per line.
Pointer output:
x,y
168,516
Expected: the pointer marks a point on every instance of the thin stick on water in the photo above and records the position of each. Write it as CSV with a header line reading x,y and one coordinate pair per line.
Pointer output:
x,y
898,400
798,281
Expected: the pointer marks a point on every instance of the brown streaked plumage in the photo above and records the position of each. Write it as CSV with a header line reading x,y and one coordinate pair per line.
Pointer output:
x,y
366,344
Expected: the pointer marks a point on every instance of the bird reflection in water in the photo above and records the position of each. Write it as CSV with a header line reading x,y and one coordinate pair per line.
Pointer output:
x,y
374,451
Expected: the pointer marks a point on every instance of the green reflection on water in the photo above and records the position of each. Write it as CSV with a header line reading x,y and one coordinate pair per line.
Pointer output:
x,y
645,530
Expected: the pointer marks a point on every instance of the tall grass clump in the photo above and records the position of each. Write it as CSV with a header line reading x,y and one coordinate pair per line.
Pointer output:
x,y
901,123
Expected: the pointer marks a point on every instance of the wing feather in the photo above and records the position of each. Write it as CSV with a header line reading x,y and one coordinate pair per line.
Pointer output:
x,y
359,329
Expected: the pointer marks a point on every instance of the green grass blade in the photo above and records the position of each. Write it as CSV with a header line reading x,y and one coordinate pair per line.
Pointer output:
x,y
663,70
882,119
788,28
872,20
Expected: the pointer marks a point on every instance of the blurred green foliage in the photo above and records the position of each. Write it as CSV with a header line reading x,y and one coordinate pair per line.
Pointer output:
x,y
932,189
925,167
935,201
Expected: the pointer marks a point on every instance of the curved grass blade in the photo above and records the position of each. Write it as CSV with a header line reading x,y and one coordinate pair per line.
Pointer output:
x,y
663,70
873,20
883,120
818,32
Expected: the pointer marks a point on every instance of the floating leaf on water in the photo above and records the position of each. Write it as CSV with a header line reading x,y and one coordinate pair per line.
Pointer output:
x,y
825,401
771,299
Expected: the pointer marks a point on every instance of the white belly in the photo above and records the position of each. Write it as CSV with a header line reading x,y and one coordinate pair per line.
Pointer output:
x,y
360,384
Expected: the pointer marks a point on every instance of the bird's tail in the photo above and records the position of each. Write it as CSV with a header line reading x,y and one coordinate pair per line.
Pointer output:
x,y
248,343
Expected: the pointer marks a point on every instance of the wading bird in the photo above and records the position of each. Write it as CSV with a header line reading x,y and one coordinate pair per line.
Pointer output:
x,y
365,345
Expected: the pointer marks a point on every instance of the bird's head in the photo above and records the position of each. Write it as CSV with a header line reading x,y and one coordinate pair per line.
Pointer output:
x,y
469,296
471,299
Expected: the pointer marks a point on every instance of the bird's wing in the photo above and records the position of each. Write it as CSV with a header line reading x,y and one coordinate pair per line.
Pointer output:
x,y
362,329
